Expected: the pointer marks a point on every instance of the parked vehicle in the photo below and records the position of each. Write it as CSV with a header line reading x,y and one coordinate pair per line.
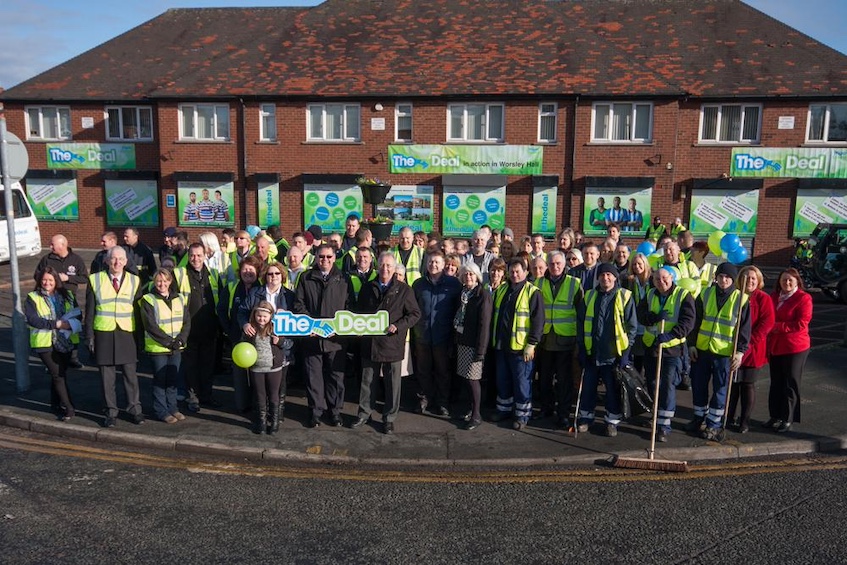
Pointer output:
x,y
822,260
27,234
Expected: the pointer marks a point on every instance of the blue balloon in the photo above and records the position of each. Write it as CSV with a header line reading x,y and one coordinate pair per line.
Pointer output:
x,y
673,271
646,248
730,242
737,256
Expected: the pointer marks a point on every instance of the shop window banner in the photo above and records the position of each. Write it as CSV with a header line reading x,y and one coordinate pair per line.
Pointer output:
x,y
544,200
329,205
466,208
53,199
105,156
789,162
466,159
409,206
818,206
205,203
732,211
630,208
132,203
267,202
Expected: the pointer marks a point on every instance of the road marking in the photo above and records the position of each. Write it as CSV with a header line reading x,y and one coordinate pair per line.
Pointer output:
x,y
584,475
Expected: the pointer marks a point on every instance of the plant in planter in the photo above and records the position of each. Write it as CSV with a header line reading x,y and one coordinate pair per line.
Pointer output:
x,y
374,190
380,226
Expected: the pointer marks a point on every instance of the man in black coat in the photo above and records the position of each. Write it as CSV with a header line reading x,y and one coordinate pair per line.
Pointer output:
x,y
384,354
322,291
140,254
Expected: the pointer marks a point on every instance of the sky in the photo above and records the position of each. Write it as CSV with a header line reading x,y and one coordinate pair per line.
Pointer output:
x,y
36,35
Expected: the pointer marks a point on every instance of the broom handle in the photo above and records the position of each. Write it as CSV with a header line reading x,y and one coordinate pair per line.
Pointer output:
x,y
576,410
734,349
656,394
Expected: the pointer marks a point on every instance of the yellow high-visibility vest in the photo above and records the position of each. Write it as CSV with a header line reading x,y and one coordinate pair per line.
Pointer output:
x,y
672,306
559,311
169,320
622,298
113,309
717,329
521,319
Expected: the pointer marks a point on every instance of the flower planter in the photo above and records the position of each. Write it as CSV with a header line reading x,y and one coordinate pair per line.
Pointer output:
x,y
374,193
381,231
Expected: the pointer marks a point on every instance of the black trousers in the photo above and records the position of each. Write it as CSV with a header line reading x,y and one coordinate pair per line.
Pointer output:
x,y
57,364
555,367
784,393
325,386
433,372
198,365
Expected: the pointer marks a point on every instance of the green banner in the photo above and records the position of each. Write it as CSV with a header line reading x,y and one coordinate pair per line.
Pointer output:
x,y
107,156
544,200
410,206
467,159
132,203
329,205
201,203
466,208
732,211
268,203
627,207
818,206
53,199
789,162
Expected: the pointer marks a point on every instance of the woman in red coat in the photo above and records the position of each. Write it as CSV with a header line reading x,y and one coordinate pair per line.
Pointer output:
x,y
788,347
751,281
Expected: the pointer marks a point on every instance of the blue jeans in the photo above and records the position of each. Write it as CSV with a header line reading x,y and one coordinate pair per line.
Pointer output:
x,y
671,376
514,384
165,370
590,379
715,368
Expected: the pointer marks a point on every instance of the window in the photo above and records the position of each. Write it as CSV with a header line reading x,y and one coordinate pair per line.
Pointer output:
x,y
403,121
267,122
129,122
204,121
622,122
48,122
730,123
827,123
333,122
547,122
475,122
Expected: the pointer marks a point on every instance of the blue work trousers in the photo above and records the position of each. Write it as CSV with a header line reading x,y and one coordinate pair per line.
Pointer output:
x,y
671,376
514,384
590,379
714,368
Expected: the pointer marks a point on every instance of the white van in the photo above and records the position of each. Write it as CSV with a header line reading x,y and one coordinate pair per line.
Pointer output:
x,y
27,235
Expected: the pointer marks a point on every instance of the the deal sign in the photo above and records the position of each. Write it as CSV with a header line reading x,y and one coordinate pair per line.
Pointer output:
x,y
344,323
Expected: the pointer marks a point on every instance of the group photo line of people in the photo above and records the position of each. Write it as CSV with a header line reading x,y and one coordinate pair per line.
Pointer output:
x,y
521,329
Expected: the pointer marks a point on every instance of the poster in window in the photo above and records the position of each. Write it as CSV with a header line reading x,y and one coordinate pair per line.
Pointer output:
x,y
268,204
202,203
818,206
466,208
53,199
629,208
410,206
132,203
328,205
732,211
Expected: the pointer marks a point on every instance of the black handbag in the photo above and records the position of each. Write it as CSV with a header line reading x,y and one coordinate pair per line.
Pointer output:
x,y
635,398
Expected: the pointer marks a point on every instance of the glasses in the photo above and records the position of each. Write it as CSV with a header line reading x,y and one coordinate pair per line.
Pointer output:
x,y
326,256
274,274
242,238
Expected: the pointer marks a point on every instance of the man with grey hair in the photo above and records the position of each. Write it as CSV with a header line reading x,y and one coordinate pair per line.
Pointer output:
x,y
409,255
479,255
109,326
383,355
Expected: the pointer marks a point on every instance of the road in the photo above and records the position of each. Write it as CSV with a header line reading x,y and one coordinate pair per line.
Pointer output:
x,y
72,503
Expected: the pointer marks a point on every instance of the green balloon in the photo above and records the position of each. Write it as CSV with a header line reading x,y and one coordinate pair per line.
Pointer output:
x,y
715,242
692,286
655,260
244,355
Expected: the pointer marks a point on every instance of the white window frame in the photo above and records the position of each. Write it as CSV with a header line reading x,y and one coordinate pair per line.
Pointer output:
x,y
59,110
741,139
216,127
346,122
554,113
267,112
138,110
827,115
632,114
497,137
398,114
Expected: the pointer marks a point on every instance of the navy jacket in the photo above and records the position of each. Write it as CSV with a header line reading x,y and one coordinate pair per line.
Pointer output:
x,y
438,302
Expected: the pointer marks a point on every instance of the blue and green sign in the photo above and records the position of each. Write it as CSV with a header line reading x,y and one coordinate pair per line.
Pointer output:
x,y
789,162
466,159
105,156
343,323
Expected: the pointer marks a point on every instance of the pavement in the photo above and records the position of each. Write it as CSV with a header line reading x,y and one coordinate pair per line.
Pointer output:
x,y
422,440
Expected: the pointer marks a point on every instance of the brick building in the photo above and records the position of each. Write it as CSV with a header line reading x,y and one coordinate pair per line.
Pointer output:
x,y
491,111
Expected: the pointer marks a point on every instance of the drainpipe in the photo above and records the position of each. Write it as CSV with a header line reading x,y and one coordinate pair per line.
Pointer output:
x,y
242,139
571,167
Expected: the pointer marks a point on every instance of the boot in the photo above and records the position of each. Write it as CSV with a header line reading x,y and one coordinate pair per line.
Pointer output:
x,y
259,421
274,418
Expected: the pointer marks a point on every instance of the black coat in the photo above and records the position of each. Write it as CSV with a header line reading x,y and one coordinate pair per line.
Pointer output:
x,y
477,324
284,301
110,348
322,299
148,319
403,311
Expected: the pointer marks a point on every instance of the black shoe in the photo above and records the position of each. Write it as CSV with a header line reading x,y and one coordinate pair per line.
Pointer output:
x,y
335,421
360,421
75,364
783,427
421,407
541,414
388,428
696,424
499,416
743,428
473,424
685,383
563,423
109,422
711,434
441,411
194,407
314,422
772,424
662,436
466,417
138,419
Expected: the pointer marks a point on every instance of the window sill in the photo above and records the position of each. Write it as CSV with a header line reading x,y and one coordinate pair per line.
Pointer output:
x,y
824,144
474,142
110,140
205,141
47,140
266,142
726,144
332,142
622,143
547,143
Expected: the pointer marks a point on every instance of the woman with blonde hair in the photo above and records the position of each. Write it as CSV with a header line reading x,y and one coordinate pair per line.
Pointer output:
x,y
216,259
638,281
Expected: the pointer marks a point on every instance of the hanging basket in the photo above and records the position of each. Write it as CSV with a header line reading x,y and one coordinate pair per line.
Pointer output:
x,y
381,231
374,193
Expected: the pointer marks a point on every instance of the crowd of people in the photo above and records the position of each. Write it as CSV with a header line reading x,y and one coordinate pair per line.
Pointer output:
x,y
490,322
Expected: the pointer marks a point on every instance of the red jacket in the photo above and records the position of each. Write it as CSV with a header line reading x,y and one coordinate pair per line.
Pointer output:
x,y
790,333
761,323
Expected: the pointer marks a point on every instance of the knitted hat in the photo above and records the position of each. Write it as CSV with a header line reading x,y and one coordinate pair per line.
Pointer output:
x,y
170,232
727,269
316,232
606,268
507,232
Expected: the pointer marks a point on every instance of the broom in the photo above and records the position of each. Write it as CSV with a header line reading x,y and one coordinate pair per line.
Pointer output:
x,y
722,434
574,429
651,464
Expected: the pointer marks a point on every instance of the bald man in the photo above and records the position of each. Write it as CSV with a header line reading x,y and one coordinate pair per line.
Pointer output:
x,y
69,265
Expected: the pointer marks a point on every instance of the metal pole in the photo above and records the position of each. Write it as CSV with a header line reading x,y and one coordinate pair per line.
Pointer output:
x,y
19,330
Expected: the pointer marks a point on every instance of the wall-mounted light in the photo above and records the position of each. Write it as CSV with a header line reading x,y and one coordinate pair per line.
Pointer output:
x,y
669,166
378,107
654,160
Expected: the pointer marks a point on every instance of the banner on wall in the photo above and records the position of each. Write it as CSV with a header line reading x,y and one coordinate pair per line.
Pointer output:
x,y
410,205
789,162
544,200
627,207
328,205
466,208
818,206
132,203
268,203
201,203
53,199
105,156
466,159
732,211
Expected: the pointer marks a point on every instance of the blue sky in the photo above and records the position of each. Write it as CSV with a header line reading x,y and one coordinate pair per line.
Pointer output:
x,y
36,35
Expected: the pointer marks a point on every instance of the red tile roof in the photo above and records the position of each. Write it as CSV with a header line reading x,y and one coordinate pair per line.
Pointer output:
x,y
411,48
